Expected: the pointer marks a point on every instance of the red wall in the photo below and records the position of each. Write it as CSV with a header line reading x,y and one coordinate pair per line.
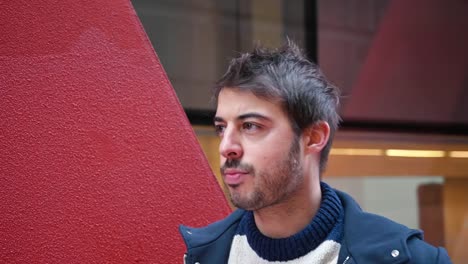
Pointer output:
x,y
98,163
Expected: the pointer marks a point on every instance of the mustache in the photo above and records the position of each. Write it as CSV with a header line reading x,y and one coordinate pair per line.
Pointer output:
x,y
236,164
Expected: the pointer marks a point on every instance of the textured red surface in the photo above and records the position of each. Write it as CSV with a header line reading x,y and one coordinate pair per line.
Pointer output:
x,y
98,161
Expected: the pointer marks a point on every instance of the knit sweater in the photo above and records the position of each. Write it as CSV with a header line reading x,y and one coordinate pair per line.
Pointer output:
x,y
318,242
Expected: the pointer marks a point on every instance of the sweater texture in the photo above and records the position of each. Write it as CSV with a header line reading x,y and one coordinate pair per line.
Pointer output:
x,y
318,242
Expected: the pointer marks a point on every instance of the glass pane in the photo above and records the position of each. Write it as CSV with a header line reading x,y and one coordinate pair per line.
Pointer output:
x,y
195,39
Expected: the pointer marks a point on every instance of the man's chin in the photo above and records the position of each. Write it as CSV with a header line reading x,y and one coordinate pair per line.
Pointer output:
x,y
242,202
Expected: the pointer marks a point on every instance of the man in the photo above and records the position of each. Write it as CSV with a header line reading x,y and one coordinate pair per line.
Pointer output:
x,y
276,117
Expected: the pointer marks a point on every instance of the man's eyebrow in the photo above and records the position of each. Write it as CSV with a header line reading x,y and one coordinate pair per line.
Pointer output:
x,y
244,116
218,119
253,115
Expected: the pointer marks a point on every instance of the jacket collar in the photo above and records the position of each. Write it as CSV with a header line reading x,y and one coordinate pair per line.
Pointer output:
x,y
212,243
368,236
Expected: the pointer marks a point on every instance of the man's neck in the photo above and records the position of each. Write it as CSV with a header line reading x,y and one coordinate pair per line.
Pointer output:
x,y
291,216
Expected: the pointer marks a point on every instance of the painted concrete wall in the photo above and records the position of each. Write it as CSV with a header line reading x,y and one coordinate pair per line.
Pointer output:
x,y
98,163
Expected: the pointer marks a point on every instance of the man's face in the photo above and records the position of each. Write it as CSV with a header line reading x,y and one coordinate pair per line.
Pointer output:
x,y
260,155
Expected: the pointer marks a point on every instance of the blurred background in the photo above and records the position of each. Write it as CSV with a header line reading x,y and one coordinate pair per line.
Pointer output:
x,y
402,66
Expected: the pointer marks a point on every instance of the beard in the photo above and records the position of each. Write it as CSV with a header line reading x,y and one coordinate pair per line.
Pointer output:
x,y
272,185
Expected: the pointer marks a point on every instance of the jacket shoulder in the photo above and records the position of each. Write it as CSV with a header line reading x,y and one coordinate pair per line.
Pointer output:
x,y
421,252
370,237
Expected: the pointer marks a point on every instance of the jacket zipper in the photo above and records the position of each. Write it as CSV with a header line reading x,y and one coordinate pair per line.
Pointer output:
x,y
346,260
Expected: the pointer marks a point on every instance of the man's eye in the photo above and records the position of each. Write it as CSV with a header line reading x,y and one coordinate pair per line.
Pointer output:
x,y
249,126
219,129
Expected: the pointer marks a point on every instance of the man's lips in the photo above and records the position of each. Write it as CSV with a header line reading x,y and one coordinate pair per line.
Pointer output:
x,y
234,176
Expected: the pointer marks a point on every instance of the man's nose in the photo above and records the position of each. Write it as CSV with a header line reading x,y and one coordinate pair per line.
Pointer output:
x,y
230,146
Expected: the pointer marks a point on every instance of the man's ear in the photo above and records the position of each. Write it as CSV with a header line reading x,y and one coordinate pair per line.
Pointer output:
x,y
316,137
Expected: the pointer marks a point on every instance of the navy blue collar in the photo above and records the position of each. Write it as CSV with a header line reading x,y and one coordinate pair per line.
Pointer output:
x,y
327,224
